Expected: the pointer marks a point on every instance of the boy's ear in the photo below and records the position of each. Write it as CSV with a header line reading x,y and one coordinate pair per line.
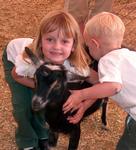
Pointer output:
x,y
95,42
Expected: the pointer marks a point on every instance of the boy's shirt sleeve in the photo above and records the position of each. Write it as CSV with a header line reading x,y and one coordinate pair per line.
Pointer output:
x,y
109,68
24,67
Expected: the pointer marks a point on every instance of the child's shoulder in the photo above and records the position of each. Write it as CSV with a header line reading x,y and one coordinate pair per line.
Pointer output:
x,y
19,41
16,47
118,56
117,53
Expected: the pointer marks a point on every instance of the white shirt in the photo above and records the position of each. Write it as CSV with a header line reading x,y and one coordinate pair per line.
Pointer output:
x,y
15,49
120,66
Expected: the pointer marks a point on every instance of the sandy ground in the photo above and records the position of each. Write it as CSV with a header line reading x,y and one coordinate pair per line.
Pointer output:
x,y
20,18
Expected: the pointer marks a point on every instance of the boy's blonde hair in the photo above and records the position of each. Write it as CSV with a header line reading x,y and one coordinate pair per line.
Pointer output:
x,y
68,27
106,26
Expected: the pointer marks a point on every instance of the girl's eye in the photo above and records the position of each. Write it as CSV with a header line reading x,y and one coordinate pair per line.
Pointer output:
x,y
49,39
65,41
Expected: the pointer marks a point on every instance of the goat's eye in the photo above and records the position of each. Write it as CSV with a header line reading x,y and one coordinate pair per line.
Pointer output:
x,y
57,86
45,73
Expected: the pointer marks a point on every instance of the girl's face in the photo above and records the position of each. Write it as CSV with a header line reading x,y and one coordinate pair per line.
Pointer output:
x,y
56,47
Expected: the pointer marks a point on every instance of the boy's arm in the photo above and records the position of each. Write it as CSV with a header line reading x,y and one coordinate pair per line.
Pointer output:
x,y
26,81
93,79
99,90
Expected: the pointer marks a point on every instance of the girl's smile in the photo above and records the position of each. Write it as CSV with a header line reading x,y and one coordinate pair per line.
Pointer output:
x,y
56,47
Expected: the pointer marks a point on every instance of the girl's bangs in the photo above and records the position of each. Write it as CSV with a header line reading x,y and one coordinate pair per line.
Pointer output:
x,y
59,23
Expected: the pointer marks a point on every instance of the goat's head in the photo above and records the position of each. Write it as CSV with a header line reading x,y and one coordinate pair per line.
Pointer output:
x,y
51,82
50,85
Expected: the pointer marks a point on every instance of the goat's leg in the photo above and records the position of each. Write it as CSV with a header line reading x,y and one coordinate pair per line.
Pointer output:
x,y
74,137
53,138
103,116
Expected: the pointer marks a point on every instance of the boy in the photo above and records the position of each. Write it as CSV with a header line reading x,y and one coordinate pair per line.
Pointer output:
x,y
116,69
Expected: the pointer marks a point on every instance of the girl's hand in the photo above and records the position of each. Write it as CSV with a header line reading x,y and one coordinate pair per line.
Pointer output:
x,y
26,81
73,101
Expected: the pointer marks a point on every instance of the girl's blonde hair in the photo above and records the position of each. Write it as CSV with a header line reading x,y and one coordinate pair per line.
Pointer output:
x,y
106,26
68,27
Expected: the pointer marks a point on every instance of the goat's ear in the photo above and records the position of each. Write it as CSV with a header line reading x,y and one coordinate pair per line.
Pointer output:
x,y
33,57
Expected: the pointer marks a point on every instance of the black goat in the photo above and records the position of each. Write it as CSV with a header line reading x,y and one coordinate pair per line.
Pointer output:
x,y
52,90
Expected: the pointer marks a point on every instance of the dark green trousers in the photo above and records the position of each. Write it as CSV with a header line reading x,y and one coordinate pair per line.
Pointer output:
x,y
31,126
128,139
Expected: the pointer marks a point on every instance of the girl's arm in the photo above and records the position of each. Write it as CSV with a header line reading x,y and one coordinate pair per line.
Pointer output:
x,y
99,90
26,81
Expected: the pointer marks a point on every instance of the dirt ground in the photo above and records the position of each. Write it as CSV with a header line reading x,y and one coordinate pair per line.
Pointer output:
x,y
20,18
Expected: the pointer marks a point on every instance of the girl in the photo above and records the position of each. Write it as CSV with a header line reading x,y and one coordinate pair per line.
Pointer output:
x,y
57,41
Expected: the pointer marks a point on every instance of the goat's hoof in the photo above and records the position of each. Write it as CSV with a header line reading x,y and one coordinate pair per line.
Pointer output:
x,y
53,138
43,144
104,127
72,149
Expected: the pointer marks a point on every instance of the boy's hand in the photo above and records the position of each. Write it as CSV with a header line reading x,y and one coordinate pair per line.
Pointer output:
x,y
78,116
82,107
73,101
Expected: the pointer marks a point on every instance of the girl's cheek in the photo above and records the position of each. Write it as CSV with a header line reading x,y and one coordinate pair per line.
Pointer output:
x,y
44,44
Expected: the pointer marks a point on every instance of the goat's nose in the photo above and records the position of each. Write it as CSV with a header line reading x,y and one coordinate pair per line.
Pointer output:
x,y
36,103
36,106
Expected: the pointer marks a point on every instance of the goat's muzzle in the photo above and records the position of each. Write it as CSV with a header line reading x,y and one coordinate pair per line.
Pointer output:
x,y
37,103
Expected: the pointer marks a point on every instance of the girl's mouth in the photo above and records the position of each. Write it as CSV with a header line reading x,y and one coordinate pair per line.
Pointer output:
x,y
56,53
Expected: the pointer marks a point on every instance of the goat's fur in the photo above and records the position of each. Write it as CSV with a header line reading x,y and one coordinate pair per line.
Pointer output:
x,y
52,90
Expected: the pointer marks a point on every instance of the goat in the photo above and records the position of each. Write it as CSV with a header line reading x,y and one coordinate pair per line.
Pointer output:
x,y
52,91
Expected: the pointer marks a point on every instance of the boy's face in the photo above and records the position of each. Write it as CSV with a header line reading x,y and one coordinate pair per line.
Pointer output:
x,y
56,47
93,45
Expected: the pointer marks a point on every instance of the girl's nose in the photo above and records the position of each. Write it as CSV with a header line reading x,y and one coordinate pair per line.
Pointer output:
x,y
57,45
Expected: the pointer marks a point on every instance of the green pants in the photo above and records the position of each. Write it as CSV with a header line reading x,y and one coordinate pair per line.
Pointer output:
x,y
128,139
31,126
